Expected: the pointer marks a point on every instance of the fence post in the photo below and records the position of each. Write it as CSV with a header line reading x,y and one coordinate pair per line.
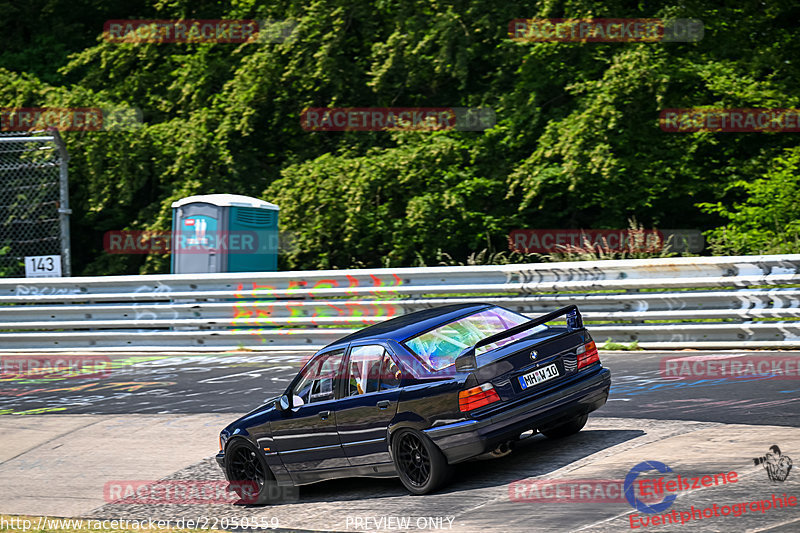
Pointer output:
x,y
63,207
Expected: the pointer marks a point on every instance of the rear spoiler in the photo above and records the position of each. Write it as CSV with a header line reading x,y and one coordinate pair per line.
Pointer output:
x,y
466,361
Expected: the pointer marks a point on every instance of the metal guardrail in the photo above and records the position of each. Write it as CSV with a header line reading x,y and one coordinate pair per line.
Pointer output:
x,y
723,302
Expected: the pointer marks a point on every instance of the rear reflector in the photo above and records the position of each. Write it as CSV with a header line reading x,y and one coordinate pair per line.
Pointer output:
x,y
587,355
477,397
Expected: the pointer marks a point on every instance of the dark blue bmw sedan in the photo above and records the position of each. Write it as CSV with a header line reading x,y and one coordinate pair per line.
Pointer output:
x,y
412,396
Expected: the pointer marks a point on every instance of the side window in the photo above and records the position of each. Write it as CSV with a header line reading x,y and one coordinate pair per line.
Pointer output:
x,y
390,373
371,369
318,382
365,369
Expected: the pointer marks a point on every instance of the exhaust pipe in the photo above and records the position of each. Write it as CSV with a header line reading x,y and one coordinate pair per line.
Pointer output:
x,y
503,449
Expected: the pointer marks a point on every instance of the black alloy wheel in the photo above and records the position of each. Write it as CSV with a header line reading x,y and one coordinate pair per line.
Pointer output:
x,y
248,473
420,464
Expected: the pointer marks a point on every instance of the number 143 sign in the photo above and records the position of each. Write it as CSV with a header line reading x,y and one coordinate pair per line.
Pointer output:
x,y
43,266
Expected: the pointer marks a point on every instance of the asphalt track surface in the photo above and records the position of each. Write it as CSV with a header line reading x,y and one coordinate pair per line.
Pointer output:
x,y
697,427
239,382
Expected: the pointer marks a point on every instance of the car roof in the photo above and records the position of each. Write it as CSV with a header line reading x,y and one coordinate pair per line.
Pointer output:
x,y
405,326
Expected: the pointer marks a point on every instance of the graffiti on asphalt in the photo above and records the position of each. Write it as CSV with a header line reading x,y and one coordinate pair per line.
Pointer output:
x,y
649,381
694,405
160,384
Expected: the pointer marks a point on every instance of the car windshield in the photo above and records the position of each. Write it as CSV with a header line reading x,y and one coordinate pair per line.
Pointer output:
x,y
440,347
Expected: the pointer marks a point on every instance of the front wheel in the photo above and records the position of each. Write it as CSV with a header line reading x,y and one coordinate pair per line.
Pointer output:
x,y
250,477
570,427
422,467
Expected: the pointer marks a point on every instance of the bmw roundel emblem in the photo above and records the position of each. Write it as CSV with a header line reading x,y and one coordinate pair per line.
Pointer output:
x,y
534,353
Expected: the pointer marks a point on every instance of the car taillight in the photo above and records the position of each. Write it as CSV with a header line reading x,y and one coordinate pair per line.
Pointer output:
x,y
587,354
477,397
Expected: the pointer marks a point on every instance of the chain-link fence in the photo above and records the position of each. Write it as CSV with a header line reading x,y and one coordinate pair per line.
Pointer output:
x,y
34,204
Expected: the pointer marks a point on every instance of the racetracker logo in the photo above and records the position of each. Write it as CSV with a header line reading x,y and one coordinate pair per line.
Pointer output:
x,y
571,491
54,367
69,119
579,240
397,118
734,366
165,242
197,31
191,492
605,30
691,120
604,240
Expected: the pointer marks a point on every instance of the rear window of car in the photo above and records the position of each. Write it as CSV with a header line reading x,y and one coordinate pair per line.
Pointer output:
x,y
438,348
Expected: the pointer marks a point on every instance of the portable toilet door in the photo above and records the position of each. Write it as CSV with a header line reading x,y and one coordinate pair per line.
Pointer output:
x,y
254,232
195,226
224,233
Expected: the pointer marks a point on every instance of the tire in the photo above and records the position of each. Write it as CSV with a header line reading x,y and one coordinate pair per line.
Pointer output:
x,y
249,476
422,466
570,427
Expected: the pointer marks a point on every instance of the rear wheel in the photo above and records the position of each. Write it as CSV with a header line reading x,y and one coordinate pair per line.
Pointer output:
x,y
571,427
422,467
250,477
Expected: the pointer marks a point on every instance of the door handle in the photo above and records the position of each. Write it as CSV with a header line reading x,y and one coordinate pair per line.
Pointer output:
x,y
324,414
383,404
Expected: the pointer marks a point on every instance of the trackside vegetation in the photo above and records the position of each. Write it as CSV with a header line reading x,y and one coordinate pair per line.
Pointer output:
x,y
577,143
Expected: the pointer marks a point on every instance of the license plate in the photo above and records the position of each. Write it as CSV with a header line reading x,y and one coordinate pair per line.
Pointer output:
x,y
538,376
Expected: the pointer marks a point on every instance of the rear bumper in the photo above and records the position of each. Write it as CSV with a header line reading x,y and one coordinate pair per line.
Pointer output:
x,y
466,439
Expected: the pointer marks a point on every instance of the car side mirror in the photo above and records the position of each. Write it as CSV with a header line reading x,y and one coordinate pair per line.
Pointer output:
x,y
284,403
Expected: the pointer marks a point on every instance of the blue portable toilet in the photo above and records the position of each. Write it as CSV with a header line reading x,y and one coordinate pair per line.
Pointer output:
x,y
224,233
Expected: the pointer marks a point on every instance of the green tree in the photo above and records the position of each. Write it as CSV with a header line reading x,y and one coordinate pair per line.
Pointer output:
x,y
767,220
577,141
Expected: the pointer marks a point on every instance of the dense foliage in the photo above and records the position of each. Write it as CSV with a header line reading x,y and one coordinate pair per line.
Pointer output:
x,y
769,217
577,141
